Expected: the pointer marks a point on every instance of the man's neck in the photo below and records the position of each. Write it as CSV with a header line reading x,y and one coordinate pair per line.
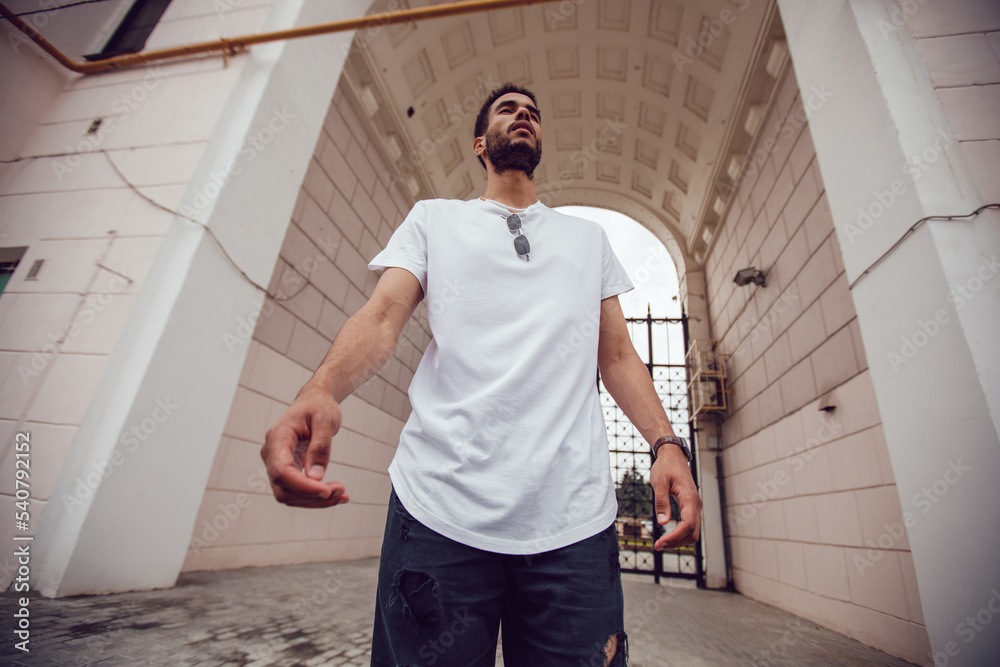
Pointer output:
x,y
513,188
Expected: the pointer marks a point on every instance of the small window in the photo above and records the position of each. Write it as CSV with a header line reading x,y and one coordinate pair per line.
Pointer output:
x,y
9,259
135,29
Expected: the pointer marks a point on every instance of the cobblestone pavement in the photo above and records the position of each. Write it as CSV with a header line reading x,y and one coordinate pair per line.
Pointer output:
x,y
321,614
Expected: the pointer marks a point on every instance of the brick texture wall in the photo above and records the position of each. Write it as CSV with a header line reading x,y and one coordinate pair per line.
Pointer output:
x,y
85,221
961,49
814,517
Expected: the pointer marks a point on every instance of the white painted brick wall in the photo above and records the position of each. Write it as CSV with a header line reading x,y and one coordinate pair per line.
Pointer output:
x,y
803,500
74,212
961,47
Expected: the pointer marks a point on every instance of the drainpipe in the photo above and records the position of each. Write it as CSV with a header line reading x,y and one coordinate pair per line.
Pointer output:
x,y
233,45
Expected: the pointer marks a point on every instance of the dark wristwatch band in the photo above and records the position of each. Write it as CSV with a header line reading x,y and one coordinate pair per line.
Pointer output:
x,y
672,440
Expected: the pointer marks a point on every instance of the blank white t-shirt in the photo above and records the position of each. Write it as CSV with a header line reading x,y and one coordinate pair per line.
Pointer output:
x,y
506,448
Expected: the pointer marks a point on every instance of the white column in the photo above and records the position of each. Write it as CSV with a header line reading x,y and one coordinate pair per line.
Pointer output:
x,y
933,353
159,411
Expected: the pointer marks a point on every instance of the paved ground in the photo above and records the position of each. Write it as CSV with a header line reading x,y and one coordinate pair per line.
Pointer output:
x,y
321,614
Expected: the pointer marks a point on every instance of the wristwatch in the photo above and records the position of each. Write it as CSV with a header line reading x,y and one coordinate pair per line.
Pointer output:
x,y
672,440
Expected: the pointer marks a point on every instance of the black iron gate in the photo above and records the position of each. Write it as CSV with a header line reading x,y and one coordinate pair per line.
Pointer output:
x,y
631,460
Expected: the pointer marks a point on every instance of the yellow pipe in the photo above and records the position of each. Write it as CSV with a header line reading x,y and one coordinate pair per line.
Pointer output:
x,y
231,45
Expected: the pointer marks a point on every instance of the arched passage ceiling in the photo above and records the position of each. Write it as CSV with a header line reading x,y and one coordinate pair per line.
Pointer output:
x,y
649,107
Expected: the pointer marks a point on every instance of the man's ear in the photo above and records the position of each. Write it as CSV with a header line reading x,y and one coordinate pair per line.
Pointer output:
x,y
479,145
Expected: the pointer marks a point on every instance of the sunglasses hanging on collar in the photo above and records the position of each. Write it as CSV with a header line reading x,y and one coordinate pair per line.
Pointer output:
x,y
521,244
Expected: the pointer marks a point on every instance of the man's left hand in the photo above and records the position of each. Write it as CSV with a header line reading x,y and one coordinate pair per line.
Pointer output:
x,y
671,476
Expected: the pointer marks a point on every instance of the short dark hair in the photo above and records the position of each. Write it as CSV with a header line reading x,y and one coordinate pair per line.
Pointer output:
x,y
482,120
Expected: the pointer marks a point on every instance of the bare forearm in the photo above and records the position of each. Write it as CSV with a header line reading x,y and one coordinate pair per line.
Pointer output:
x,y
627,380
369,337
361,348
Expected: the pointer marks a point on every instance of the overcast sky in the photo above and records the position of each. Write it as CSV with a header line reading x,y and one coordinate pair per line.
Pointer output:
x,y
652,272
643,257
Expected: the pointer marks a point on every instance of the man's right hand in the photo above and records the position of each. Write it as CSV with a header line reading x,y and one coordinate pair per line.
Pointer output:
x,y
296,451
362,346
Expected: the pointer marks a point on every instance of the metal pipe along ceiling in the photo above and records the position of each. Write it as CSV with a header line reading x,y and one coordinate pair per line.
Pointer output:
x,y
232,45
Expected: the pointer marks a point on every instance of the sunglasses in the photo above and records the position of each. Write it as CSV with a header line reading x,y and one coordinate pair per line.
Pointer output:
x,y
521,244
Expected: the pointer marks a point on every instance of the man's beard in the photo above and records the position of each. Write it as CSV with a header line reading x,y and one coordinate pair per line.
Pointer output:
x,y
507,156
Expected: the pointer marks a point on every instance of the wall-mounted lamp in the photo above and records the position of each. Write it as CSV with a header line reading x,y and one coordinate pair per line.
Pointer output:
x,y
747,276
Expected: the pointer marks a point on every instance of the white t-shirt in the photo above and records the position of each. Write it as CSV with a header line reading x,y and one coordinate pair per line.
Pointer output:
x,y
506,448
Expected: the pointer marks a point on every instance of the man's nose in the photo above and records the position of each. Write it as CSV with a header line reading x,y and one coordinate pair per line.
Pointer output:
x,y
523,113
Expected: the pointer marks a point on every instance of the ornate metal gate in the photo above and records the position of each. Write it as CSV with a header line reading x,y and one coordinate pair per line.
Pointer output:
x,y
631,460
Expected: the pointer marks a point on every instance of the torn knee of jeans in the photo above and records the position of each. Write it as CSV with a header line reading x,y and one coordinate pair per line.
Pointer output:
x,y
418,595
616,650
612,653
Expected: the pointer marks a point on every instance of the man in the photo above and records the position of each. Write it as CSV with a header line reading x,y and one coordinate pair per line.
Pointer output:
x,y
503,508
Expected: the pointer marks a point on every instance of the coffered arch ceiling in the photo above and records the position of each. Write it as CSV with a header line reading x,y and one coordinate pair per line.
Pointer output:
x,y
649,107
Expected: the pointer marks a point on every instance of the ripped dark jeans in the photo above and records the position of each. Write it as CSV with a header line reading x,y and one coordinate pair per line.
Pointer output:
x,y
441,603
